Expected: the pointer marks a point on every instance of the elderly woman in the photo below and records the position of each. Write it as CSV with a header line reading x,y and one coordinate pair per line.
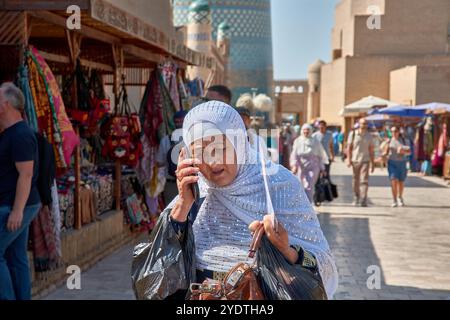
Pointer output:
x,y
212,235
308,159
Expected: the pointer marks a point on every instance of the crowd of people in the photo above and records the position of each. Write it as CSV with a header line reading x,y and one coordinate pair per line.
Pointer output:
x,y
228,198
313,148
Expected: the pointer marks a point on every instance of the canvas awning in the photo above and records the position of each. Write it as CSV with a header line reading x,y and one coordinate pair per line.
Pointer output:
x,y
435,107
401,111
364,105
102,20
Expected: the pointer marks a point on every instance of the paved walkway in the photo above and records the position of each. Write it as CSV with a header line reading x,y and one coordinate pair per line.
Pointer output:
x,y
410,246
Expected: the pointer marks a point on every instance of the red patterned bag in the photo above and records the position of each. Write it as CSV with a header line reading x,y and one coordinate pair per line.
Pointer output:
x,y
123,134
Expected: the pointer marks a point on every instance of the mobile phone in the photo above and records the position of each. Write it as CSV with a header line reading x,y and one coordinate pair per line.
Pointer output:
x,y
194,186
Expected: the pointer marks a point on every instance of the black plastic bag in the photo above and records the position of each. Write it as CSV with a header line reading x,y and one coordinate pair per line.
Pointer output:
x,y
319,193
323,191
334,190
280,280
165,265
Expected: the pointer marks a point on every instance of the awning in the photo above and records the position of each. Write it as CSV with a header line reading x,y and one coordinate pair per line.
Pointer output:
x,y
401,111
101,20
365,105
435,107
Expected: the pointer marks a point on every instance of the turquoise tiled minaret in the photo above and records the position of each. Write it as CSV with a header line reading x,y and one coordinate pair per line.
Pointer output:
x,y
251,63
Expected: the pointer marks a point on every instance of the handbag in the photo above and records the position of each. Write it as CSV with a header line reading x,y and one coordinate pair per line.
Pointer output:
x,y
319,193
123,134
241,282
134,209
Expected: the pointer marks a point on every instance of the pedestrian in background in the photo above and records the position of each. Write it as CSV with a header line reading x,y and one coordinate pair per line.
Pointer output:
x,y
361,157
19,197
397,153
288,140
325,137
308,160
219,93
336,145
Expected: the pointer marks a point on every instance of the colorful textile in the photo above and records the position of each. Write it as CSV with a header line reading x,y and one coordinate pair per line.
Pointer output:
x,y
56,215
69,138
44,241
29,104
44,113
443,142
157,110
169,72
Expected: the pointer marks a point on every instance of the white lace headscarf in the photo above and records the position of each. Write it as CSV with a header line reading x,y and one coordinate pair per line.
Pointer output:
x,y
308,145
245,198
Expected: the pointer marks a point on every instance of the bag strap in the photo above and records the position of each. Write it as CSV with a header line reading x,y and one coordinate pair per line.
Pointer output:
x,y
256,242
122,105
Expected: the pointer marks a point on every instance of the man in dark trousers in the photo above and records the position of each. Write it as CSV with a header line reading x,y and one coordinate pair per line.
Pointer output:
x,y
19,196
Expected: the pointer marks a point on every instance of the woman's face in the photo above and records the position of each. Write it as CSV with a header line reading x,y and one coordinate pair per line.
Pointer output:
x,y
395,133
306,132
218,159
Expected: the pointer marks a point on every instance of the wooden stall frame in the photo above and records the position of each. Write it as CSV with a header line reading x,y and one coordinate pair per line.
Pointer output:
x,y
144,43
74,39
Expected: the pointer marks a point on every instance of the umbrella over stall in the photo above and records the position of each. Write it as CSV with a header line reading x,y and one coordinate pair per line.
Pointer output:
x,y
365,105
402,111
435,107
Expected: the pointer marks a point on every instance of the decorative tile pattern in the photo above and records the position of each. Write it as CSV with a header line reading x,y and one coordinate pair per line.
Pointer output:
x,y
251,38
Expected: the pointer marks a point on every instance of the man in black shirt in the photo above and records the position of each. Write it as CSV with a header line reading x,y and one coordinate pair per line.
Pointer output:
x,y
19,197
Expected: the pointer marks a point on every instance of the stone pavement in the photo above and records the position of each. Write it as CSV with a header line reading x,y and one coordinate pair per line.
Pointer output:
x,y
410,246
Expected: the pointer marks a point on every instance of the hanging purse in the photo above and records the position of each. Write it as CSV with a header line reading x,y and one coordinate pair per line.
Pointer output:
x,y
117,140
241,282
82,113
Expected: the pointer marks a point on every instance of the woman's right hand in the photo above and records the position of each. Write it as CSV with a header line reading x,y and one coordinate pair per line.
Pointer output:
x,y
186,175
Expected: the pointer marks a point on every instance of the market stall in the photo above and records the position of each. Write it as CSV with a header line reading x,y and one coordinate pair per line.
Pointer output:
x,y
102,164
441,152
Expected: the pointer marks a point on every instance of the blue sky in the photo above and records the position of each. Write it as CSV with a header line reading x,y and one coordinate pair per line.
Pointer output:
x,y
301,34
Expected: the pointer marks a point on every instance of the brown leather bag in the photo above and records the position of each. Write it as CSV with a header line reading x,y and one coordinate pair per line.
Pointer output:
x,y
241,282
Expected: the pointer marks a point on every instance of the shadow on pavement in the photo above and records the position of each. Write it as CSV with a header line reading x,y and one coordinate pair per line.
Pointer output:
x,y
343,234
383,181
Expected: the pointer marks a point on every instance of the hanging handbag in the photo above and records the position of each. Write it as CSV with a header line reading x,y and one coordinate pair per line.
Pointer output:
x,y
134,210
241,282
134,154
82,113
118,136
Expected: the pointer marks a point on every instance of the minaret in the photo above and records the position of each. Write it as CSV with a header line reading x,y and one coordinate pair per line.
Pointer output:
x,y
199,36
223,44
223,38
314,72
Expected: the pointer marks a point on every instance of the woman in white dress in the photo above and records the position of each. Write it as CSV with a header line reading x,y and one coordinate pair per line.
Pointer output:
x,y
308,160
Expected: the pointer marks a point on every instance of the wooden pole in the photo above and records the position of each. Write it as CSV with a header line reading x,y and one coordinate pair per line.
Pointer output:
x,y
77,169
118,65
117,182
74,42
